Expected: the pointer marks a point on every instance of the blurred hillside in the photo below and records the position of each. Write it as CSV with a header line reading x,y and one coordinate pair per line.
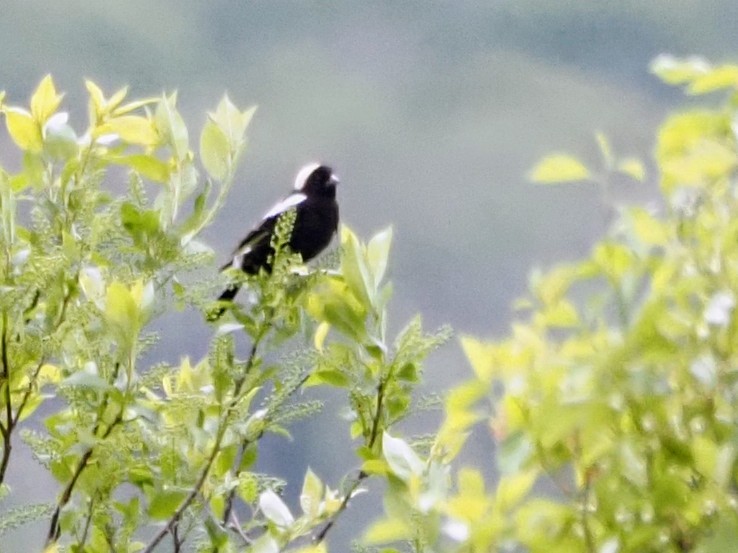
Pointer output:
x,y
432,113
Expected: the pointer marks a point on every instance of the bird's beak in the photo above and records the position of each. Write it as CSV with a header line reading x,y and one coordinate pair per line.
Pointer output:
x,y
334,180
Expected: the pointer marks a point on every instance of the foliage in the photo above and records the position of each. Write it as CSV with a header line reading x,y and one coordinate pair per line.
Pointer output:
x,y
615,396
152,456
612,401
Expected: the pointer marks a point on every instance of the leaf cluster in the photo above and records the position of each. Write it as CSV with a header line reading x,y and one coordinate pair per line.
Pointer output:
x,y
99,235
615,389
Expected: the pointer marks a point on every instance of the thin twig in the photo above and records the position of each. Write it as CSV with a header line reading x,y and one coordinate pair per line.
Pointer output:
x,y
320,536
54,527
177,515
87,524
235,525
242,449
381,387
9,423
29,389
174,519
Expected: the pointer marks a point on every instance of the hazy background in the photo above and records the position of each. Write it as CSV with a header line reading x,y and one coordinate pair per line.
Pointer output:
x,y
431,113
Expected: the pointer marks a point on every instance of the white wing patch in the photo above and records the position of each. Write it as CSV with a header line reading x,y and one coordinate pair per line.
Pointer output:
x,y
290,201
238,257
303,174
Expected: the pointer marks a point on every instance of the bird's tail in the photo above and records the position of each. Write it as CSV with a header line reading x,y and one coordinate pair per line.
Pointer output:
x,y
229,293
227,296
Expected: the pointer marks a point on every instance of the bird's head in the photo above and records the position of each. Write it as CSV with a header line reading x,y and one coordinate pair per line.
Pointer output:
x,y
316,179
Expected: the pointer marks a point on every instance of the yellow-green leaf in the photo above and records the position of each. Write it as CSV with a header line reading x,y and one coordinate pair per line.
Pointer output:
x,y
559,168
388,530
170,124
23,129
378,253
513,488
120,307
605,149
215,151
633,168
117,98
724,76
45,101
133,129
148,166
678,71
647,228
321,333
311,495
480,356
98,106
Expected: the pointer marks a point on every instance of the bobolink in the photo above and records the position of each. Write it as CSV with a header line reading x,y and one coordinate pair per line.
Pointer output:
x,y
316,221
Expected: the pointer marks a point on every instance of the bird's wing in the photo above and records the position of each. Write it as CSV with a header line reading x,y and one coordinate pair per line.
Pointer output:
x,y
262,234
292,200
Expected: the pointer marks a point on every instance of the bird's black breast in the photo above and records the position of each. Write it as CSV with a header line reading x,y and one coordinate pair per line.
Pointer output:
x,y
315,223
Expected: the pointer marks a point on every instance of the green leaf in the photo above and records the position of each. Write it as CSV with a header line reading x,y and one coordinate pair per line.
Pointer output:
x,y
311,495
85,379
332,301
146,165
164,503
718,78
140,224
378,253
264,544
215,151
400,457
481,357
388,530
332,377
354,268
132,129
98,105
512,488
559,168
23,129
171,126
633,168
232,122
45,101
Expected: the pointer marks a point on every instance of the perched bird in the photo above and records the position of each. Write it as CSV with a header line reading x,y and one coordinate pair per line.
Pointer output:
x,y
316,221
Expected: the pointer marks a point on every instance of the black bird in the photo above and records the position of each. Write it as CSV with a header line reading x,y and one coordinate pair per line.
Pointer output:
x,y
316,221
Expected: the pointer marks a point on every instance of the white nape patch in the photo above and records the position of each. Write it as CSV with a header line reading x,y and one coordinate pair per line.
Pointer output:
x,y
303,174
290,201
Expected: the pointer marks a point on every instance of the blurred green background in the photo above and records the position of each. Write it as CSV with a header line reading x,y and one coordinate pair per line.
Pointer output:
x,y
431,113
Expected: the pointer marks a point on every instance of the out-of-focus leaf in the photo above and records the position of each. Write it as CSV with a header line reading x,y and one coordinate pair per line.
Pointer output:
x,y
718,78
480,356
215,151
559,168
673,70
633,168
388,530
